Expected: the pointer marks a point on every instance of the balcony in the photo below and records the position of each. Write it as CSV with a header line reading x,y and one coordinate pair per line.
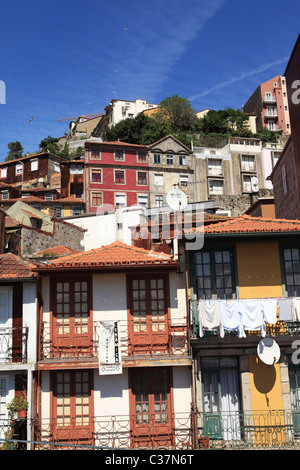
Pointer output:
x,y
271,114
249,430
280,328
13,345
170,339
269,98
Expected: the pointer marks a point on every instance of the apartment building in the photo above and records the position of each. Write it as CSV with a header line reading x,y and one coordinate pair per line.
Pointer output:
x,y
116,175
269,103
170,165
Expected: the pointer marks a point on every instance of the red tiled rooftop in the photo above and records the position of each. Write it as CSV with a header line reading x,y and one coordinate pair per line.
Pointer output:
x,y
117,254
248,224
57,250
14,267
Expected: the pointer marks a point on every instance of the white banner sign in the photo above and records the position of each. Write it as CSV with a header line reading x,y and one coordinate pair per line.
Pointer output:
x,y
109,348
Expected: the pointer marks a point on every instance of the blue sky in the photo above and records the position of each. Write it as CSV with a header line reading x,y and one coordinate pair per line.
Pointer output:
x,y
66,58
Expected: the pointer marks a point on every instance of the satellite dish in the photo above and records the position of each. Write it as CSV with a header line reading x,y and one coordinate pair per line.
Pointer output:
x,y
254,184
268,351
176,199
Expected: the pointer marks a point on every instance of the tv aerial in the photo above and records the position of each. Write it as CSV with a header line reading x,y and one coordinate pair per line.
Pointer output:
x,y
268,351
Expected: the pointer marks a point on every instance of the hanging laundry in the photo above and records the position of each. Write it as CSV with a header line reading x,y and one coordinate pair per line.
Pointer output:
x,y
210,317
252,315
296,308
270,310
285,307
231,317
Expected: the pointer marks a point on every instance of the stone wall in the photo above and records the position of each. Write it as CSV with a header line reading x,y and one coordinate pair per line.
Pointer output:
x,y
64,234
237,204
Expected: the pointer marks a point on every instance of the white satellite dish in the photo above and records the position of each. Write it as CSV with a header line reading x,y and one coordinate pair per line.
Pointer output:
x,y
254,184
176,199
268,351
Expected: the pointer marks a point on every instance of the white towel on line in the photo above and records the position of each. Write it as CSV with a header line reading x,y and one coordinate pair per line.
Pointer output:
x,y
252,315
270,310
231,317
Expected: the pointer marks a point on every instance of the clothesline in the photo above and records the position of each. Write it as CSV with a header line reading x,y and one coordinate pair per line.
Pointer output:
x,y
246,314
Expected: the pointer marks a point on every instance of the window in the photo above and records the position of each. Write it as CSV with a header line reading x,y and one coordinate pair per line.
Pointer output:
x,y
5,195
294,378
159,200
214,167
291,259
142,177
214,274
96,199
120,200
3,172
142,156
76,169
19,168
34,164
96,154
248,163
76,210
96,176
119,155
142,199
119,177
58,211
158,179
38,208
49,197
184,180
157,158
216,187
247,186
169,159
182,160
275,156
56,167
3,402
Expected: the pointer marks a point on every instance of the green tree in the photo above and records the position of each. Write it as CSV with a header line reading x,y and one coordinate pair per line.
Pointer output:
x,y
15,151
49,144
178,113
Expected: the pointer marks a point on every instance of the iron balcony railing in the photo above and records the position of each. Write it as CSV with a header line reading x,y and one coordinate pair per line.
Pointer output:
x,y
277,329
13,345
241,430
169,338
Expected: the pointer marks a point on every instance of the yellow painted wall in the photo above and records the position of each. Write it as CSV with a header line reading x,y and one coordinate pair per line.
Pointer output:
x,y
259,273
259,276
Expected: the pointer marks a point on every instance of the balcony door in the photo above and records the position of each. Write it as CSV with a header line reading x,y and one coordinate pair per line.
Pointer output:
x,y
148,301
71,326
151,407
72,407
6,299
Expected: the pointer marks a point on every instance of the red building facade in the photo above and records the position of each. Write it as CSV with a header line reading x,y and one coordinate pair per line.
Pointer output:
x,y
116,174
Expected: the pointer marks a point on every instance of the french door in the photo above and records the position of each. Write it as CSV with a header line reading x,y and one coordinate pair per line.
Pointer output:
x,y
149,329
151,407
72,407
72,331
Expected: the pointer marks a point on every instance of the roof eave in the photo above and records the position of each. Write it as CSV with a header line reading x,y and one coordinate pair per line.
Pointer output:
x,y
95,268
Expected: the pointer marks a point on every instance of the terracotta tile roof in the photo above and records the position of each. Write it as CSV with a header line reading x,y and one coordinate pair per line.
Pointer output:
x,y
56,250
117,254
117,142
248,224
11,222
14,267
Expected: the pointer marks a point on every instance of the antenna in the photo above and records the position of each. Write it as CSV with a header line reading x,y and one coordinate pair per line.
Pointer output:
x,y
268,351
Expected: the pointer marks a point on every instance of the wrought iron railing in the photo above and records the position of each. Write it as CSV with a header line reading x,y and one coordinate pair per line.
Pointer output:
x,y
277,429
13,345
242,430
171,338
277,329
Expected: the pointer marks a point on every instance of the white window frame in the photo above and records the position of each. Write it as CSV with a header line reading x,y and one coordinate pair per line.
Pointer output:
x,y
120,196
144,198
19,166
34,164
3,172
184,180
158,179
216,183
